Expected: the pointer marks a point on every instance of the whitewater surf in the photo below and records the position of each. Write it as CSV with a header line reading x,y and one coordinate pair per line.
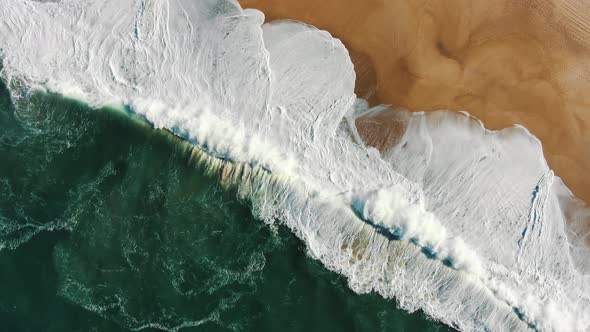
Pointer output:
x,y
467,224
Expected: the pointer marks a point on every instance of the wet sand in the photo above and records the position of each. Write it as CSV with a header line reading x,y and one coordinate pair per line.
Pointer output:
x,y
505,62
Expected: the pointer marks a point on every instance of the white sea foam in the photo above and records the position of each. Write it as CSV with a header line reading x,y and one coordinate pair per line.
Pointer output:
x,y
464,223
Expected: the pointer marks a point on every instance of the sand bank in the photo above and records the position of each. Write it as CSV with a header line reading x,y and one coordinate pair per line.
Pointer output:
x,y
503,62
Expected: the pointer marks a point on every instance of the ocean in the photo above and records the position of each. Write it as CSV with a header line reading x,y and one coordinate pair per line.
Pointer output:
x,y
173,164
107,225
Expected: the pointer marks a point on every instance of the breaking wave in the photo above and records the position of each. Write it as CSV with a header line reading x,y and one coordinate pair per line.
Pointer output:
x,y
467,224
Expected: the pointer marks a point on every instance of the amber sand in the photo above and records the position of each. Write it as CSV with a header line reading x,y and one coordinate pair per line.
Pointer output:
x,y
505,62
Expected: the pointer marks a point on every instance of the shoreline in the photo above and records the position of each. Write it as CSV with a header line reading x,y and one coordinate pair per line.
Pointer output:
x,y
272,121
503,63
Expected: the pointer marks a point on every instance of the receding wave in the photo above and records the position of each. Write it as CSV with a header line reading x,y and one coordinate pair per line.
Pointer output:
x,y
467,224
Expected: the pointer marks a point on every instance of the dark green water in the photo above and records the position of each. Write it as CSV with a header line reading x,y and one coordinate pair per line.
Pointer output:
x,y
108,226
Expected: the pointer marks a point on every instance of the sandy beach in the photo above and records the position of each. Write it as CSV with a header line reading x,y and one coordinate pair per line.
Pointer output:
x,y
505,63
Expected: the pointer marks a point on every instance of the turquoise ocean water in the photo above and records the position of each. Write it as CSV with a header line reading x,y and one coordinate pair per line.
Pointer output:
x,y
107,225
